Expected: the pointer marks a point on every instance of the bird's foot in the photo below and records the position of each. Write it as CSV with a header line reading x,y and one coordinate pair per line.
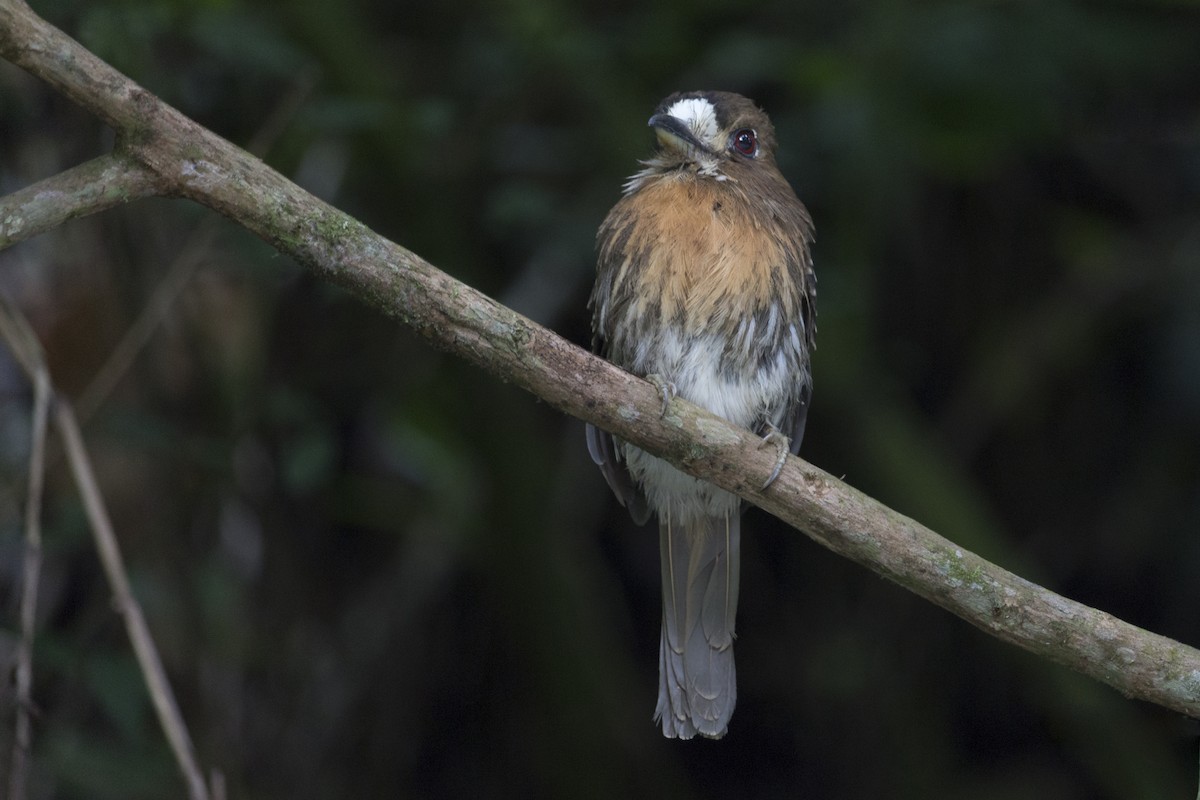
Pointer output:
x,y
665,388
775,436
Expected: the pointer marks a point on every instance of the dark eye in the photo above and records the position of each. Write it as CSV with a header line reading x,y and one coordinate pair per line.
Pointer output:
x,y
745,142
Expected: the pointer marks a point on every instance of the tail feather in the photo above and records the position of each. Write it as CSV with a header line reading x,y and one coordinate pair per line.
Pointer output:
x,y
697,680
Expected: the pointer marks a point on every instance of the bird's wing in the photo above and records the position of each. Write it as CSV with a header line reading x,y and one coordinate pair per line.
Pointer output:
x,y
793,424
603,448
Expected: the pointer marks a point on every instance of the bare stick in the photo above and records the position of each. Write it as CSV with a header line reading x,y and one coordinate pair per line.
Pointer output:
x,y
126,604
195,163
96,185
32,563
16,331
182,268
139,333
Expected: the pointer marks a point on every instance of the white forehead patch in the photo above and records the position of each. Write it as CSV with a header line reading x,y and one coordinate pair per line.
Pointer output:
x,y
699,115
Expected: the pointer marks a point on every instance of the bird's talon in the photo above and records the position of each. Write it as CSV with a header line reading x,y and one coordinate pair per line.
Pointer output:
x,y
775,436
665,388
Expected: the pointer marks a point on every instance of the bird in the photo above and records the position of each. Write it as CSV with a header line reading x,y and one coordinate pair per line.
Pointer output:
x,y
704,286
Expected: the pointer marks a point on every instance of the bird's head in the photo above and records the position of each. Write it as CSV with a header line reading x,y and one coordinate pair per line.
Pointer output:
x,y
712,131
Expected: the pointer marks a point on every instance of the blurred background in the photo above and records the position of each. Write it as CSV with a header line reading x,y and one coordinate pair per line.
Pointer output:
x,y
375,571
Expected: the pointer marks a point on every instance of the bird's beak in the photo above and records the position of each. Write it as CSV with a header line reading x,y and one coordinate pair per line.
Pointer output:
x,y
674,133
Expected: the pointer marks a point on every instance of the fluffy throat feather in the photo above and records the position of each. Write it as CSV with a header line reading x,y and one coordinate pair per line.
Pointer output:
x,y
694,164
724,243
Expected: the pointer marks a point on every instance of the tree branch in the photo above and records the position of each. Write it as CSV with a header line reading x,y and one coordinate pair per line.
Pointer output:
x,y
127,605
96,185
31,567
15,330
190,161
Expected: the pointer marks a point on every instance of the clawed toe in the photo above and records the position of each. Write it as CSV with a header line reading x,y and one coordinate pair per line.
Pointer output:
x,y
665,388
775,436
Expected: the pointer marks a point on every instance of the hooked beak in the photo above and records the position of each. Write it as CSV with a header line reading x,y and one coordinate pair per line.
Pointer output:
x,y
674,133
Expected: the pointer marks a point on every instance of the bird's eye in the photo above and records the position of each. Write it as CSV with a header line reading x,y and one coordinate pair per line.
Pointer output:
x,y
745,142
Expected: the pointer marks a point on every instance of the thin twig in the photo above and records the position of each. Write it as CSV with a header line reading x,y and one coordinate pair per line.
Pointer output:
x,y
191,256
97,185
139,333
86,189
17,332
31,568
216,784
282,114
127,605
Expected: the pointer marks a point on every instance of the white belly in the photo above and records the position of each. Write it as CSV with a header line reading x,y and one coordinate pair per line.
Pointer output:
x,y
757,391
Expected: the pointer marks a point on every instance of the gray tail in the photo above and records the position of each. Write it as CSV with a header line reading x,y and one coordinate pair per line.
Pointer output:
x,y
697,683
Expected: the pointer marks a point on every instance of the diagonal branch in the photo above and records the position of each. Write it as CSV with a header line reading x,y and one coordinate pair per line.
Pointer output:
x,y
190,256
16,332
127,605
96,185
29,356
192,162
